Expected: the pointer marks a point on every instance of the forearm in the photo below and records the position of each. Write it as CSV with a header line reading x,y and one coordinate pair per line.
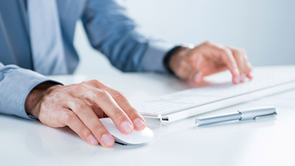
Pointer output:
x,y
154,56
114,34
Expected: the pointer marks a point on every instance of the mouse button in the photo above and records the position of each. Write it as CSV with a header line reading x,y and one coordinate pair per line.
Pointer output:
x,y
139,137
134,138
147,132
106,120
110,126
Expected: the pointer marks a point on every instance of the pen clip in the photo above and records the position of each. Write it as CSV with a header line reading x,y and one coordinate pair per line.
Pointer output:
x,y
254,113
265,116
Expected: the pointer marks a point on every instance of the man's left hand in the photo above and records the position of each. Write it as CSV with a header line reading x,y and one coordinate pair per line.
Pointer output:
x,y
210,58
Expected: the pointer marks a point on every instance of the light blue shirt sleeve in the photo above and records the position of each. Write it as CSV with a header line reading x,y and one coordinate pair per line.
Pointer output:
x,y
113,33
15,85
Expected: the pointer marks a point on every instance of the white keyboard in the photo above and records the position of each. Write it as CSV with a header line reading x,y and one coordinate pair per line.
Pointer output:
x,y
195,101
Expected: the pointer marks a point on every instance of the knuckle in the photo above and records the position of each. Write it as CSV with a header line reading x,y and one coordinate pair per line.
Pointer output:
x,y
85,133
120,117
96,82
79,107
118,95
208,42
80,87
98,127
242,50
93,124
101,93
225,51
67,97
133,110
69,117
133,113
66,94
236,52
239,52
101,130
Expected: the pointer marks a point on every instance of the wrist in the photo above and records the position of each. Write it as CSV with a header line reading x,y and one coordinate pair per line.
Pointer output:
x,y
168,57
35,97
177,57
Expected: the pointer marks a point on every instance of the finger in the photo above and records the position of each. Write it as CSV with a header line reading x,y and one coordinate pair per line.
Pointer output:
x,y
89,118
249,75
70,119
137,120
239,57
248,67
196,76
231,63
228,58
109,106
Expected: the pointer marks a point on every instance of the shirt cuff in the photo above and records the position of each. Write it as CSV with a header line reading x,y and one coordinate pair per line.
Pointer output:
x,y
154,56
15,86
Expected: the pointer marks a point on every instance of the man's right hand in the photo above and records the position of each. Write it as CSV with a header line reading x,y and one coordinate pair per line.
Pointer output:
x,y
80,106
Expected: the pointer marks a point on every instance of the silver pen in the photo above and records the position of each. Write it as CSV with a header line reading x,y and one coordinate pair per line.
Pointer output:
x,y
240,115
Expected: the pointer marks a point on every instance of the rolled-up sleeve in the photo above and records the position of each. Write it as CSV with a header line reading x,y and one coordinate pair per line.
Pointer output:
x,y
113,33
15,85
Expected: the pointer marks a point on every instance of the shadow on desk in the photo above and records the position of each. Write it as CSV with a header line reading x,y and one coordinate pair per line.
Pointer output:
x,y
43,141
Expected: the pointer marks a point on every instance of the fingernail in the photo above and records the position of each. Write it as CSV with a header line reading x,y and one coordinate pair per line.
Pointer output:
x,y
237,71
127,127
107,140
237,79
139,123
92,139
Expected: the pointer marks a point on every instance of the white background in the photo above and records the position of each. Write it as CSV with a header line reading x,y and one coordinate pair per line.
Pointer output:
x,y
265,28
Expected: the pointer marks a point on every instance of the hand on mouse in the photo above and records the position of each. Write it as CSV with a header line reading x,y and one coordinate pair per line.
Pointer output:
x,y
210,58
80,106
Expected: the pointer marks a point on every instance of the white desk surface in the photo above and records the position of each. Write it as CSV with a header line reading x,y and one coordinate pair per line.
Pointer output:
x,y
266,142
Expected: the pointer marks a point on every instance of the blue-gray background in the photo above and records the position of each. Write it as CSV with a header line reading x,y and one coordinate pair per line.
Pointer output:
x,y
265,28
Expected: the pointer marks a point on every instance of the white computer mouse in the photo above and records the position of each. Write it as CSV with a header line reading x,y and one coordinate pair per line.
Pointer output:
x,y
136,137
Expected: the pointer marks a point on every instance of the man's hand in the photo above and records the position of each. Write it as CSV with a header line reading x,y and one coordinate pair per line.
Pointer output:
x,y
210,58
80,106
